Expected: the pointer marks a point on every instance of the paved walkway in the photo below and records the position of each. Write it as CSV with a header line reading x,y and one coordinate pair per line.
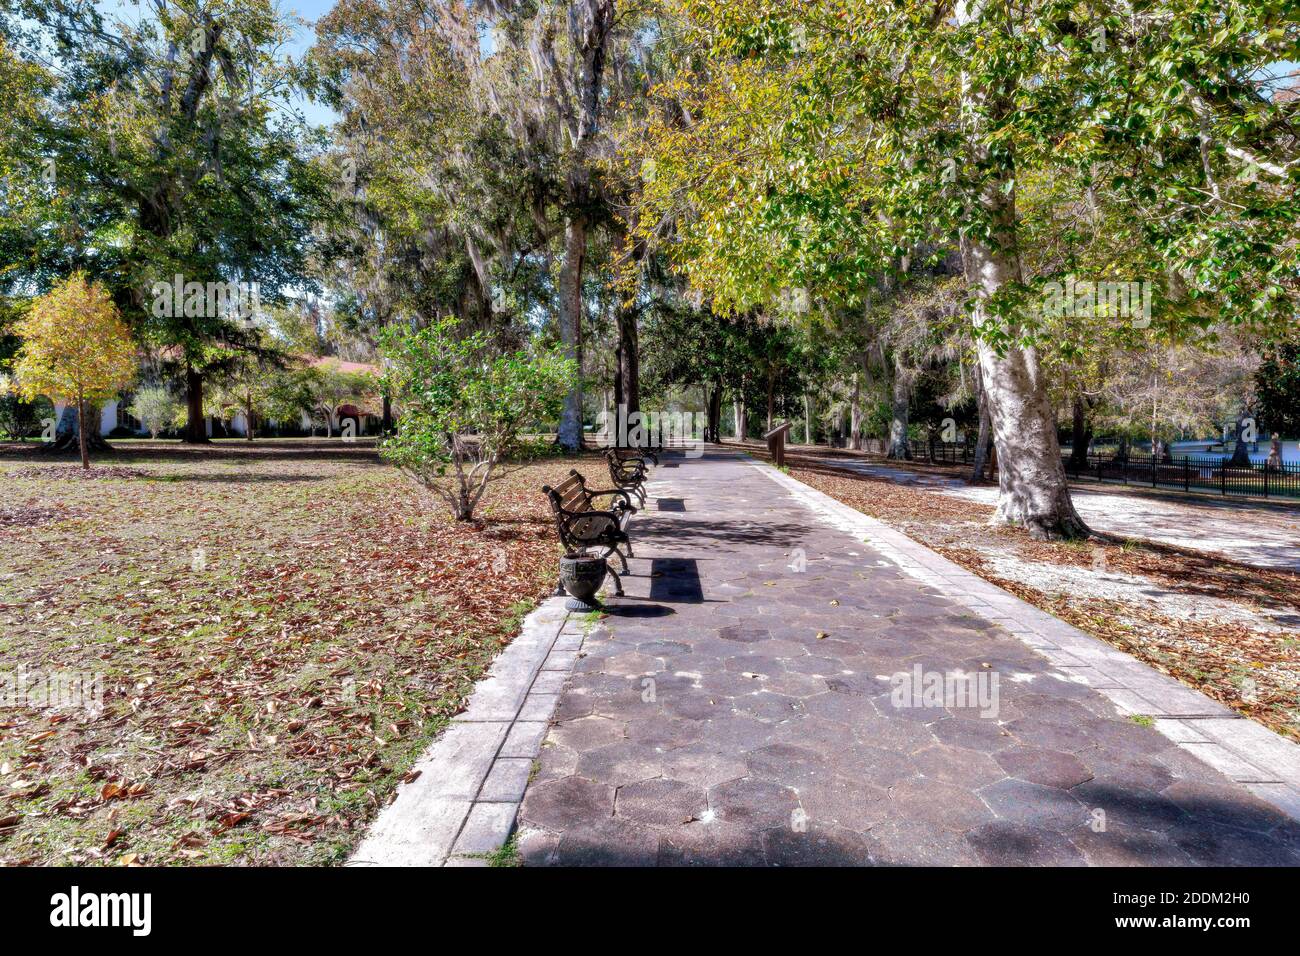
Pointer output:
x,y
776,690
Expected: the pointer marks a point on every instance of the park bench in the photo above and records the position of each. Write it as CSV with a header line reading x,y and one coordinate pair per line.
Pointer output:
x,y
583,527
628,468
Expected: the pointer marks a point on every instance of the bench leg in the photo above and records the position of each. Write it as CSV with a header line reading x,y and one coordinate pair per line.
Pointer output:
x,y
612,551
618,582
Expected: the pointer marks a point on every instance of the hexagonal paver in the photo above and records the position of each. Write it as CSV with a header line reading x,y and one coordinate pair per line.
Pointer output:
x,y
1051,768
660,803
760,804
743,633
1119,845
710,844
619,764
1007,843
956,765
567,802
767,706
844,802
587,733
915,843
703,764
1034,805
941,804
787,763
1223,804
815,845
986,735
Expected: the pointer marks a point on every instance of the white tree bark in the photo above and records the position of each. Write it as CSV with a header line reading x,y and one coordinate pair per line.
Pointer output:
x,y
899,408
1033,489
570,319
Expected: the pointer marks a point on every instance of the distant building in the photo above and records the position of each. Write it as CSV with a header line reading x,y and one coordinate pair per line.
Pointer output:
x,y
115,415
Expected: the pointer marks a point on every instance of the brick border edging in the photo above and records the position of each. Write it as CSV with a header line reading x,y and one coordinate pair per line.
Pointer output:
x,y
1248,753
463,804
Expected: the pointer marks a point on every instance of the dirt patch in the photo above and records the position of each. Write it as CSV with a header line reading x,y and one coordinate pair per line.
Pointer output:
x,y
18,516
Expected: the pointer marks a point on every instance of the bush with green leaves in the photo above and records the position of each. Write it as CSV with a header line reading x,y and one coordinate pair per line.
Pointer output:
x,y
466,407
156,408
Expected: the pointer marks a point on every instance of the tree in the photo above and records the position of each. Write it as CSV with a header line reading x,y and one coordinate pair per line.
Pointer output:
x,y
290,395
831,144
75,349
330,388
465,407
168,145
1277,386
156,408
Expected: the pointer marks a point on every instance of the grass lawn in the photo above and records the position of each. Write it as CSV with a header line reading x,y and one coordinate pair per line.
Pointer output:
x,y
280,628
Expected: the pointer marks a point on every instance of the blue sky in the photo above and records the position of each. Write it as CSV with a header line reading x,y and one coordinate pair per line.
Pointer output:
x,y
310,10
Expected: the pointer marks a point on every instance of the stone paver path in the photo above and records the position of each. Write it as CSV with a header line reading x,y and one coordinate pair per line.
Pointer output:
x,y
741,706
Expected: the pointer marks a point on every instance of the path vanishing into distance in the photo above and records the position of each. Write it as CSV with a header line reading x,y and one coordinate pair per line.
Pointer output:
x,y
789,681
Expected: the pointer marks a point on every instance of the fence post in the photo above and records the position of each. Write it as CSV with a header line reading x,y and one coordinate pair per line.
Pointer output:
x,y
1124,468
1154,467
1187,473
1223,477
1265,479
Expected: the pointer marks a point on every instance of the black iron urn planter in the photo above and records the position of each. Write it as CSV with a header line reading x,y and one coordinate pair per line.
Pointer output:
x,y
582,575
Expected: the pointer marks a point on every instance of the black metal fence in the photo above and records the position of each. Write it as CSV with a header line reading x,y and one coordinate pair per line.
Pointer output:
x,y
1212,475
949,453
1206,474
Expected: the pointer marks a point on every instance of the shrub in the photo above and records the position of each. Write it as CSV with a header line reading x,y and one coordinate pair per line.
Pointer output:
x,y
465,407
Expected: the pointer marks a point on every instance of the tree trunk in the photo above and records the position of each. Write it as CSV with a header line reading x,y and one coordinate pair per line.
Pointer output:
x,y
629,363
1080,435
771,399
81,433
899,449
984,437
1241,453
855,415
714,413
742,423
387,421
195,424
69,435
570,318
1033,490
807,421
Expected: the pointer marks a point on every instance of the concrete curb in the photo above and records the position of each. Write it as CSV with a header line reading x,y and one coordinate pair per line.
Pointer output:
x,y
1246,752
463,804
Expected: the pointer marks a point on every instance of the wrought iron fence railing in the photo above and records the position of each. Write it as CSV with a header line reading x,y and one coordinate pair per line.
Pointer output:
x,y
1201,473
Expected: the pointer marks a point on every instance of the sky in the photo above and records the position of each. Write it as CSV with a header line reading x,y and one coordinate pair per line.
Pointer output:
x,y
310,10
